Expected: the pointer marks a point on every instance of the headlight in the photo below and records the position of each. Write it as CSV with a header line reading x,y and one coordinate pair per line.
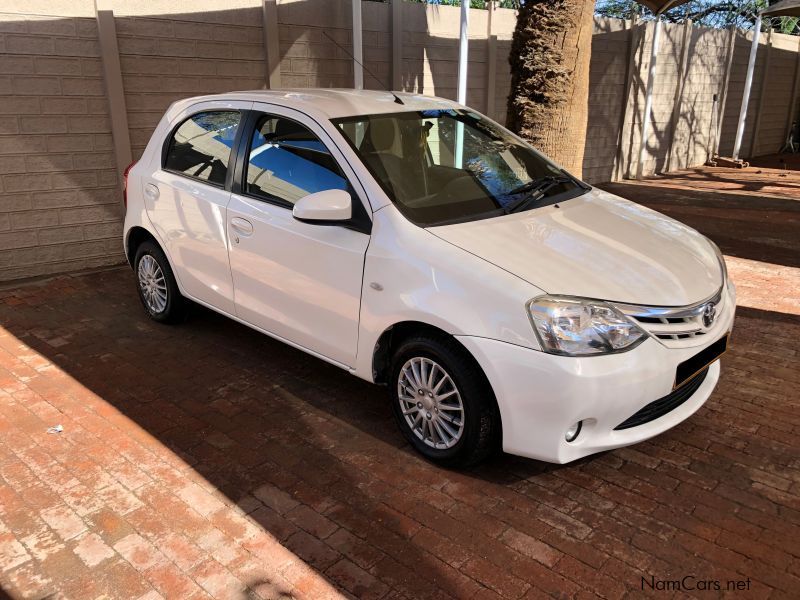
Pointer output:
x,y
721,260
579,327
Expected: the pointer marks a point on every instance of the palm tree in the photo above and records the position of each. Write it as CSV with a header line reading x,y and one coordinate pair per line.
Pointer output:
x,y
550,52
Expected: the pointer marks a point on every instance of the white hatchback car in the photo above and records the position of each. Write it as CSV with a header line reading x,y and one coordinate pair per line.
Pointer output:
x,y
420,245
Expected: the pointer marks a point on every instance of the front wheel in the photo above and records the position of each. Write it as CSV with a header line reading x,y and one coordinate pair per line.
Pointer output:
x,y
442,402
156,285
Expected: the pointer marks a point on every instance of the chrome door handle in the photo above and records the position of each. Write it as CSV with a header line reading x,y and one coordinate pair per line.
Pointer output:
x,y
151,191
243,226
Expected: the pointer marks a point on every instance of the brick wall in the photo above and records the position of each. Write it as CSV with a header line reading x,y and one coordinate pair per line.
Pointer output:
x,y
308,57
735,87
503,23
607,83
59,195
685,114
683,101
782,59
59,201
694,133
171,55
667,66
430,52
778,65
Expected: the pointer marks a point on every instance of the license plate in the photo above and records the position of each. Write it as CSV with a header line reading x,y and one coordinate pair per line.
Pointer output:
x,y
691,367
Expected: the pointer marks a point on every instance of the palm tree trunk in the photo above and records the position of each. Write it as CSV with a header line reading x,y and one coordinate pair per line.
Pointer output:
x,y
550,52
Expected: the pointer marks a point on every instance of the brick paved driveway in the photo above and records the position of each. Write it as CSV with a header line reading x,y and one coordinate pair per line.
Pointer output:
x,y
207,459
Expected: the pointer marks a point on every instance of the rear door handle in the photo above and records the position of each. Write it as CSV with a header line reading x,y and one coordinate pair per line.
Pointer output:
x,y
151,191
242,226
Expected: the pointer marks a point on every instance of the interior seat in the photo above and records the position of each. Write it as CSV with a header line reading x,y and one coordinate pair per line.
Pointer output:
x,y
379,150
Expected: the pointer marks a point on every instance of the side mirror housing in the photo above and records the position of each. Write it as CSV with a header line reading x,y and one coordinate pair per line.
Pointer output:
x,y
325,206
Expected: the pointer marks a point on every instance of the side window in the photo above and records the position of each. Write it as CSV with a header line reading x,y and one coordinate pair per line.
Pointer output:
x,y
202,145
287,162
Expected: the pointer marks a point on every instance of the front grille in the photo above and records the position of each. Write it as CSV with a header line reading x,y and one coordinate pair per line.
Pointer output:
x,y
662,406
678,326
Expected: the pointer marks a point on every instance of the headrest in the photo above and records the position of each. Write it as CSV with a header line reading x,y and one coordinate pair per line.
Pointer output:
x,y
287,129
381,134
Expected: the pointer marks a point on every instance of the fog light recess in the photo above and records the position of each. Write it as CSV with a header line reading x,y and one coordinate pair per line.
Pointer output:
x,y
573,432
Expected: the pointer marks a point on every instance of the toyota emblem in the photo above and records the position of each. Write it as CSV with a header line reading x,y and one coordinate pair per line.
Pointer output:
x,y
709,314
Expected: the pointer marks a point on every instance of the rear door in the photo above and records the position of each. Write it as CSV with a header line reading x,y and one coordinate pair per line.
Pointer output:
x,y
299,281
187,197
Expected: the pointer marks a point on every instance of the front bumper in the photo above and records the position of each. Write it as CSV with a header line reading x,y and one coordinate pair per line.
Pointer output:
x,y
541,395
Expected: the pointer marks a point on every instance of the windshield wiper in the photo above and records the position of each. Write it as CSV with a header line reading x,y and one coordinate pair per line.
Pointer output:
x,y
536,190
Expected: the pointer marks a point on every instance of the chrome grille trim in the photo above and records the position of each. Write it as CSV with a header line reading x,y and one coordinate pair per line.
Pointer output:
x,y
669,311
673,324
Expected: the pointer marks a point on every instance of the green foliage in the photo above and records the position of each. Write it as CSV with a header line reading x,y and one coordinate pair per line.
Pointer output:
x,y
707,13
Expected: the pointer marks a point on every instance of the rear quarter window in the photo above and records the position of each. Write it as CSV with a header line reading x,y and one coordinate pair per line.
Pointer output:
x,y
200,147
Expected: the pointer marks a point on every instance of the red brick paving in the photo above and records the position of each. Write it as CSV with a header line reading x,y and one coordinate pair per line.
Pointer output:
x,y
208,460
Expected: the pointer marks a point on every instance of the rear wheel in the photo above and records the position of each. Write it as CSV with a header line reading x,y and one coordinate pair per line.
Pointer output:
x,y
442,402
157,287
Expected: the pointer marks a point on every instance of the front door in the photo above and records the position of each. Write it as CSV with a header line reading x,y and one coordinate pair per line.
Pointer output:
x,y
299,281
187,200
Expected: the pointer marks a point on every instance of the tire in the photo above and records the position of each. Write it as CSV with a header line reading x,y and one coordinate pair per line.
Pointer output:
x,y
163,302
478,429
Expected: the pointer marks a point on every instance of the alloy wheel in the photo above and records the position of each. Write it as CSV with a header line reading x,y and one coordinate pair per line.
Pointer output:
x,y
152,284
430,403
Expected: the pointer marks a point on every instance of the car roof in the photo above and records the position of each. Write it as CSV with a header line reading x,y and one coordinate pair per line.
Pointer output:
x,y
335,103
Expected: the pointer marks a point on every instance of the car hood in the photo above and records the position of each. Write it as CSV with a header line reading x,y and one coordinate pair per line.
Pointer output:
x,y
597,246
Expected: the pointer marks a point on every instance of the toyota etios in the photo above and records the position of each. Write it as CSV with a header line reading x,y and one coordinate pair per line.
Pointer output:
x,y
418,244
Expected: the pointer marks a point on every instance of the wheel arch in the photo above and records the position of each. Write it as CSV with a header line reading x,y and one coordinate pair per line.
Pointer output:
x,y
134,238
388,341
395,334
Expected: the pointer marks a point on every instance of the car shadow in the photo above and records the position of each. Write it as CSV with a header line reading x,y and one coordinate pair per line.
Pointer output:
x,y
244,411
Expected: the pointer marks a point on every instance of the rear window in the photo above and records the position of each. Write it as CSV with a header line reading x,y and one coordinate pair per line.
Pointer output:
x,y
201,147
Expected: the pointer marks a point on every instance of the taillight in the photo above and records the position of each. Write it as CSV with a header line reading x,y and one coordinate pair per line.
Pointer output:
x,y
125,183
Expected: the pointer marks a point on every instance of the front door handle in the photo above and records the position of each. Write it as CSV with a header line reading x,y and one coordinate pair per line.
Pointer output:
x,y
242,226
151,191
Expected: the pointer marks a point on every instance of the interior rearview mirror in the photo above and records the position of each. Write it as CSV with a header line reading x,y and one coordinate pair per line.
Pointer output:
x,y
327,205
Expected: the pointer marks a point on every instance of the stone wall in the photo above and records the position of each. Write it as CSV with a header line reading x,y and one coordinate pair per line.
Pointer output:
x,y
607,77
60,202
168,52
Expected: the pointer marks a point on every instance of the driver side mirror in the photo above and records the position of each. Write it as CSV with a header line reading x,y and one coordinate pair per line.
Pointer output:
x,y
327,206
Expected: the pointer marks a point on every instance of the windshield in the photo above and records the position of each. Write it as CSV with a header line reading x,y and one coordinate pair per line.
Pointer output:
x,y
448,166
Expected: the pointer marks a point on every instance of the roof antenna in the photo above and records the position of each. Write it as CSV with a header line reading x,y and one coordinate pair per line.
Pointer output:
x,y
396,97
